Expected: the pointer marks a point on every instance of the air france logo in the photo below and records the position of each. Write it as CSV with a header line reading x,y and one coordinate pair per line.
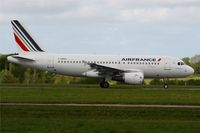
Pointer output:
x,y
141,59
159,59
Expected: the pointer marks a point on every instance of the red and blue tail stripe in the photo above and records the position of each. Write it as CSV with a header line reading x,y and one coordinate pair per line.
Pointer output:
x,y
23,39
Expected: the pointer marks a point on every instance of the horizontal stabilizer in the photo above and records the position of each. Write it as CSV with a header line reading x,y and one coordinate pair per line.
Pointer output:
x,y
23,57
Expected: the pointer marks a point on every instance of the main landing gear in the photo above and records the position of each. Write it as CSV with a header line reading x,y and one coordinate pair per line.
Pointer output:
x,y
165,81
104,84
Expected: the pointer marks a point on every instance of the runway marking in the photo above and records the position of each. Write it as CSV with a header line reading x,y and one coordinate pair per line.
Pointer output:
x,y
102,105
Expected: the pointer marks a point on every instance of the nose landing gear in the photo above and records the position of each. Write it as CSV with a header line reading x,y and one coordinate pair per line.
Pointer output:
x,y
165,83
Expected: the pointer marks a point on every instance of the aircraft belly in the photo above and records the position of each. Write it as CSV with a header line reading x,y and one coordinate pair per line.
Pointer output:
x,y
71,70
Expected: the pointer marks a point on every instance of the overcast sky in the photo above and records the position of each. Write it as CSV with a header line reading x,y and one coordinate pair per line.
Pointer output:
x,y
144,27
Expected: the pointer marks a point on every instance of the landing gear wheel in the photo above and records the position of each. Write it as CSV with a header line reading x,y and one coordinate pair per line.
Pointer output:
x,y
165,81
104,84
165,86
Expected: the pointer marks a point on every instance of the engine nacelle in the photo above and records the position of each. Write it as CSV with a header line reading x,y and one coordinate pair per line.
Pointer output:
x,y
133,77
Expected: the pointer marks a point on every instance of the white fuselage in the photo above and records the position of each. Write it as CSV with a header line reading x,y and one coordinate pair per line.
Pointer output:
x,y
77,65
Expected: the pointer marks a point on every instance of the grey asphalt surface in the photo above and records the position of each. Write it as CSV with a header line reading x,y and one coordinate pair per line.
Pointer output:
x,y
101,105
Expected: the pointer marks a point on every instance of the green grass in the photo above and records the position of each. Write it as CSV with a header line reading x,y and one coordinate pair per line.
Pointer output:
x,y
94,94
49,119
59,119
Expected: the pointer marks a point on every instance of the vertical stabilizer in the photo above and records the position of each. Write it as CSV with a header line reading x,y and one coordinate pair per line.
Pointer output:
x,y
23,39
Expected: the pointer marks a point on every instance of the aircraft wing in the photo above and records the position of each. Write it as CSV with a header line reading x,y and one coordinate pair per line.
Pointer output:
x,y
109,71
105,70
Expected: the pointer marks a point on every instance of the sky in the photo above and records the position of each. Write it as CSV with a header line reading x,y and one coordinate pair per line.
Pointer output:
x,y
131,27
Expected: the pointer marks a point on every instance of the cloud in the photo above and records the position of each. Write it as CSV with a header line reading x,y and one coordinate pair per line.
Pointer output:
x,y
142,15
115,11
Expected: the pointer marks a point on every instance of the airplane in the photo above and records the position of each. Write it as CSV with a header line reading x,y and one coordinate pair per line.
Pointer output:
x,y
129,69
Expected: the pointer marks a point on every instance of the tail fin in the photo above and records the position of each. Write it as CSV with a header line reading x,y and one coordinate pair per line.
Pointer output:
x,y
23,39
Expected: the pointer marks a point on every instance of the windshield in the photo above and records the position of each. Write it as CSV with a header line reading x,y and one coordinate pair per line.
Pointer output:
x,y
180,63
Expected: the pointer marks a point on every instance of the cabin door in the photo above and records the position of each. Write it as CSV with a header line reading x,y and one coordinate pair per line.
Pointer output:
x,y
167,65
50,63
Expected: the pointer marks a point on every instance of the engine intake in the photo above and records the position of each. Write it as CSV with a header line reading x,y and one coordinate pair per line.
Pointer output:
x,y
131,78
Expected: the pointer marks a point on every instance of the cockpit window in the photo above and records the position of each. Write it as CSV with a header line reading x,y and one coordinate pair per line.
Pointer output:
x,y
180,63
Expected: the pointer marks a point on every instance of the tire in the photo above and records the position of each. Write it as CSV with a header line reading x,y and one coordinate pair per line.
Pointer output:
x,y
104,84
165,86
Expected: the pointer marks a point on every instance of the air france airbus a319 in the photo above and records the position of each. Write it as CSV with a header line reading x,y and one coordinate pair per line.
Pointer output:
x,y
129,69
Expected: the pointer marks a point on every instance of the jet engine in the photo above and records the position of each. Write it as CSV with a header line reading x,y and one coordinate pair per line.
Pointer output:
x,y
131,78
134,78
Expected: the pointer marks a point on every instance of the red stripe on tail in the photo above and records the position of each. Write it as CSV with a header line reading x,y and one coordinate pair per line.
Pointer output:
x,y
20,43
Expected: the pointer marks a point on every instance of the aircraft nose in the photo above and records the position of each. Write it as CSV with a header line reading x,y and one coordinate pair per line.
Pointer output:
x,y
190,70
